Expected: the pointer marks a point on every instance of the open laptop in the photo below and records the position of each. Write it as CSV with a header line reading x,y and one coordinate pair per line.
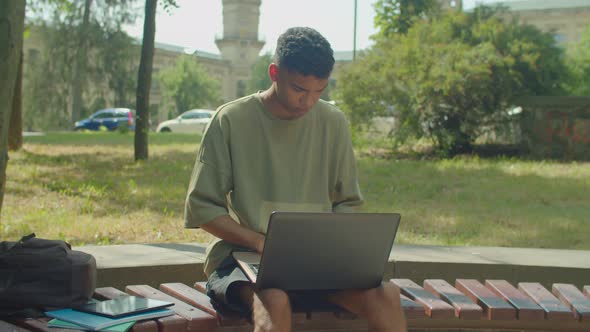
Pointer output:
x,y
322,251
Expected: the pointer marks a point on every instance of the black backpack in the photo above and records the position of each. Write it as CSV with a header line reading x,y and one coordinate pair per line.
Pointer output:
x,y
41,274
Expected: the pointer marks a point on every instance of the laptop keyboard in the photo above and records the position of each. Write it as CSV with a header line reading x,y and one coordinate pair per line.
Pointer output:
x,y
254,267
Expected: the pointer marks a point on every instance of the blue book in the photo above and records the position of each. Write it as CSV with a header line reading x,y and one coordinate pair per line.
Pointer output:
x,y
123,327
95,322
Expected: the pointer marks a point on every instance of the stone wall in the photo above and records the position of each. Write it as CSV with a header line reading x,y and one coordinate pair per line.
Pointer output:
x,y
556,127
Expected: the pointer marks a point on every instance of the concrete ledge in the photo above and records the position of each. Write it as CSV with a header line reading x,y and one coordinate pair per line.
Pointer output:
x,y
546,266
153,264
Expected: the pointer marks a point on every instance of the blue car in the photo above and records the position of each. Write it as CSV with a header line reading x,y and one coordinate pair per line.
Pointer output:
x,y
109,118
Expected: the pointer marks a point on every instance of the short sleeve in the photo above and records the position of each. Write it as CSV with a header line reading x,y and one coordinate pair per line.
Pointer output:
x,y
346,194
211,178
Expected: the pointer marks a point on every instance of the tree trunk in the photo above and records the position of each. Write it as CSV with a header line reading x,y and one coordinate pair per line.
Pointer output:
x,y
144,80
12,19
15,128
80,64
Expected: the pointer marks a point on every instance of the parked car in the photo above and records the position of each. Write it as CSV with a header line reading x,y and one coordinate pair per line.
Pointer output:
x,y
193,121
109,118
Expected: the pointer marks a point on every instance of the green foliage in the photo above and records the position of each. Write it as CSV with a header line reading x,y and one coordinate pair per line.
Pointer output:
x,y
49,71
259,79
452,78
187,85
397,16
579,65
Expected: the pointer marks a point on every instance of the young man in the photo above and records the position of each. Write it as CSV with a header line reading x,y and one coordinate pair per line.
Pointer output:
x,y
278,150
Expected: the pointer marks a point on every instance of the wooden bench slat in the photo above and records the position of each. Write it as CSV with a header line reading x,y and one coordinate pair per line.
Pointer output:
x,y
199,300
37,325
189,295
319,315
574,298
8,327
464,307
201,286
554,309
196,319
494,307
526,308
433,306
412,310
108,293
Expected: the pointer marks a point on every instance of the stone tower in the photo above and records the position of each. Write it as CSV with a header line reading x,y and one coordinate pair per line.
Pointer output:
x,y
239,45
451,4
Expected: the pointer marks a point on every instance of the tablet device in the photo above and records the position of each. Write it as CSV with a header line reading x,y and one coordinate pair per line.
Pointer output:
x,y
123,306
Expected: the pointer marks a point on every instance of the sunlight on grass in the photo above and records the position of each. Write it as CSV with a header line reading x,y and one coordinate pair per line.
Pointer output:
x,y
86,188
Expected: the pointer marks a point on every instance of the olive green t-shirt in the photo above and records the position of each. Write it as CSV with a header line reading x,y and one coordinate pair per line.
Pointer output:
x,y
252,163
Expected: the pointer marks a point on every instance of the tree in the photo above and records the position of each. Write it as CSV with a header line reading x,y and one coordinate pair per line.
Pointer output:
x,y
144,81
118,66
579,63
144,77
397,16
12,16
451,78
15,130
55,83
187,85
80,62
259,79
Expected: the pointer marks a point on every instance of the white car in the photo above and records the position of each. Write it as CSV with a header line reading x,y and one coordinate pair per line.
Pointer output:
x,y
193,121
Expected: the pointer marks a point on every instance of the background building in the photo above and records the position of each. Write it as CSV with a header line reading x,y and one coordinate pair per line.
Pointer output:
x,y
567,19
240,44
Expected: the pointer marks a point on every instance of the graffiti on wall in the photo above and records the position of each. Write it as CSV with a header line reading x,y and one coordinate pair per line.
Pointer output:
x,y
559,126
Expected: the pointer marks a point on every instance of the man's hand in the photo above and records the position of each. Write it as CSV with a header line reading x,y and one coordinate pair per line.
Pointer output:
x,y
260,244
225,228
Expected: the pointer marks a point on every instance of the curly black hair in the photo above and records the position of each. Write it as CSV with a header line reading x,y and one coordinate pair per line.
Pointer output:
x,y
304,51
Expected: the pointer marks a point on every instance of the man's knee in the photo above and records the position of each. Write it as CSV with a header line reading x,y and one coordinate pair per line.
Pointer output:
x,y
271,311
387,294
274,298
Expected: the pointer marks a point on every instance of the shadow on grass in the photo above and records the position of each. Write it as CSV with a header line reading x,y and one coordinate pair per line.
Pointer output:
x,y
111,138
446,202
483,151
115,180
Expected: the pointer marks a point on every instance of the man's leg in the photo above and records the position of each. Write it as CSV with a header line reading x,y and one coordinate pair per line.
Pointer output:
x,y
380,306
271,308
230,289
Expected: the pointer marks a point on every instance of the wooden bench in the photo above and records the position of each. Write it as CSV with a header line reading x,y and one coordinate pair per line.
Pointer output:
x,y
467,305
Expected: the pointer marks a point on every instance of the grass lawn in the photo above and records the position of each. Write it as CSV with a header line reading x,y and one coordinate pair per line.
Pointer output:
x,y
85,188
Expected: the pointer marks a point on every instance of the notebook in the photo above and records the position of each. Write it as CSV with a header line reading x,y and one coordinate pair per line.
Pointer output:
x,y
94,322
123,305
322,251
123,327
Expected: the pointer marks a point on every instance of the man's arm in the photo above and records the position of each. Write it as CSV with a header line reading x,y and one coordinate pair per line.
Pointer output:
x,y
225,228
347,195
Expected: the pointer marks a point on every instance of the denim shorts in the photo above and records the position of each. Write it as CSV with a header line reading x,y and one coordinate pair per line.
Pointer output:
x,y
221,287
223,291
